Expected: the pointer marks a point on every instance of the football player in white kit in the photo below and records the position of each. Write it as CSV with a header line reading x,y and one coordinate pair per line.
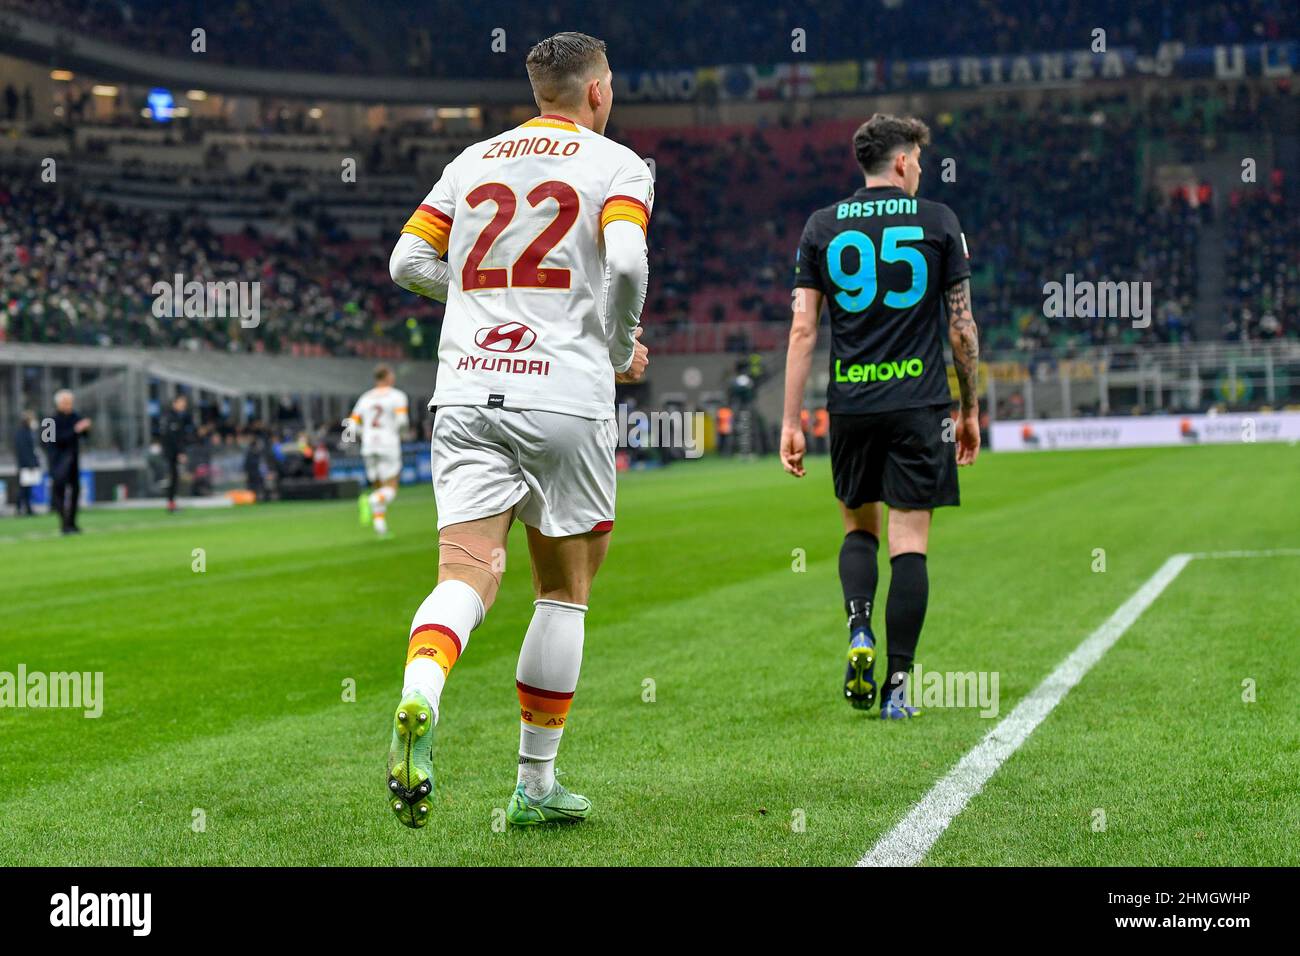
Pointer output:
x,y
543,229
382,414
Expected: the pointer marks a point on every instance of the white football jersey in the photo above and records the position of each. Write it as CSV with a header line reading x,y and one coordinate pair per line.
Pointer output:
x,y
382,413
520,218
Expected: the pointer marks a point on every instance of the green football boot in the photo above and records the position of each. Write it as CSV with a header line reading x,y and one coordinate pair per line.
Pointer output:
x,y
363,508
410,761
558,806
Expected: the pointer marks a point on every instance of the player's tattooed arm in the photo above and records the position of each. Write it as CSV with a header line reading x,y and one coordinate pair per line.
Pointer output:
x,y
963,335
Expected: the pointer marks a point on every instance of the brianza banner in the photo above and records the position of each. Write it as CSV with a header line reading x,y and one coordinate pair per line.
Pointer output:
x,y
1145,430
802,81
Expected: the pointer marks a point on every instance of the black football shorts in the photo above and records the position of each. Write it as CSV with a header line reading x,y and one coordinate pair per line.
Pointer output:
x,y
899,457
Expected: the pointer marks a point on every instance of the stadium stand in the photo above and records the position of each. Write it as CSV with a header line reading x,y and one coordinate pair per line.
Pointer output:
x,y
1262,296
76,270
1043,188
299,33
1041,191
326,36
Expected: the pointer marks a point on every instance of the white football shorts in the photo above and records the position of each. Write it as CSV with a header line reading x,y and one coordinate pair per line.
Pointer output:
x,y
383,465
555,470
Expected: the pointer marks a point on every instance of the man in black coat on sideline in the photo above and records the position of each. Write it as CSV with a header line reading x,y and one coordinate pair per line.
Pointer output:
x,y
176,434
63,455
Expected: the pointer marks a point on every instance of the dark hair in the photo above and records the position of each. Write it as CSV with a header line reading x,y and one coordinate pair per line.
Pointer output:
x,y
559,65
382,372
877,140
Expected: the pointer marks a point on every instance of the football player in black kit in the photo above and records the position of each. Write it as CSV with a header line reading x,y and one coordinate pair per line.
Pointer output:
x,y
884,261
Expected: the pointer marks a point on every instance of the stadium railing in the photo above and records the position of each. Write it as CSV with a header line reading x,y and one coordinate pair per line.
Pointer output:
x,y
1142,379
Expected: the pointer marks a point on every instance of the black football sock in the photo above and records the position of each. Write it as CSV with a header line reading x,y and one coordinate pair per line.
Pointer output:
x,y
858,576
909,592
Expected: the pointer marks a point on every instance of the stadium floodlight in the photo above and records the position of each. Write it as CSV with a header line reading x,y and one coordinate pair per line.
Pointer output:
x,y
161,104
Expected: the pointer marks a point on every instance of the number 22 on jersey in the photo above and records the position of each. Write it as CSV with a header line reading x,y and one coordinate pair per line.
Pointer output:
x,y
527,270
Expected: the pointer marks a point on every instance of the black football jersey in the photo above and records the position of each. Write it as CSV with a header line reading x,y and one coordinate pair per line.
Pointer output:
x,y
883,260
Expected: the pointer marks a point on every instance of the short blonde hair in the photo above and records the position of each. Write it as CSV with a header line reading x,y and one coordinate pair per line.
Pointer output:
x,y
560,66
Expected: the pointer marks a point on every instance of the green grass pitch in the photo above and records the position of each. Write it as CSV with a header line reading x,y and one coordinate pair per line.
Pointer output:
x,y
708,727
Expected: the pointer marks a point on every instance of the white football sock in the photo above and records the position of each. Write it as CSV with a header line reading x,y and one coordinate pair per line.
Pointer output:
x,y
546,678
380,498
439,634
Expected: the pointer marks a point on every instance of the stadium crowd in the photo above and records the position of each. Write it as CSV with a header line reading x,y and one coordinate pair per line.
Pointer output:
x,y
1263,290
1057,190
1043,191
74,270
411,37
302,34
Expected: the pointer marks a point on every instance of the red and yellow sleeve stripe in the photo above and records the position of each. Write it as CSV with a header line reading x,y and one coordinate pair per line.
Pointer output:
x,y
431,225
624,208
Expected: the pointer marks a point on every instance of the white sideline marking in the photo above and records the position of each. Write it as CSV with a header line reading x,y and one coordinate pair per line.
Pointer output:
x,y
908,842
